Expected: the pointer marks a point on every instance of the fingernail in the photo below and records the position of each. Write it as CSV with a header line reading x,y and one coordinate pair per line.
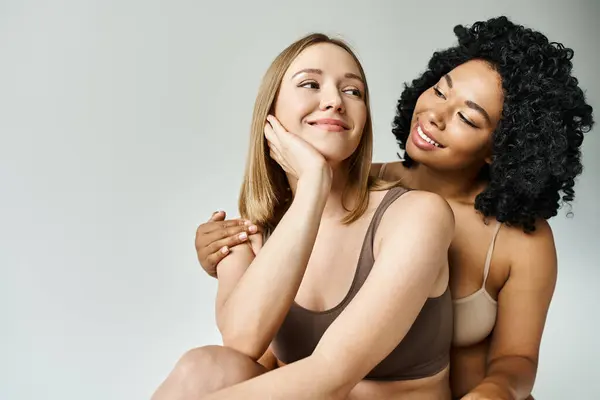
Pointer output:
x,y
224,249
253,229
247,223
243,236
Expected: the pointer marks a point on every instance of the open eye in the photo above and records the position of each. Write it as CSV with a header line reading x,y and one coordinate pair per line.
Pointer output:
x,y
309,85
353,92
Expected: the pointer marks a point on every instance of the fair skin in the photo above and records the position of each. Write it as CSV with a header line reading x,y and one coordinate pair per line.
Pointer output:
x,y
524,267
299,263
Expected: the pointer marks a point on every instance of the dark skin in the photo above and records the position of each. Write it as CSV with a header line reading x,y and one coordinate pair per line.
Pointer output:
x,y
460,113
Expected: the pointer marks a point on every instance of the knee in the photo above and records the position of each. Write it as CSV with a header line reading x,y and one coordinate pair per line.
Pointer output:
x,y
201,367
211,368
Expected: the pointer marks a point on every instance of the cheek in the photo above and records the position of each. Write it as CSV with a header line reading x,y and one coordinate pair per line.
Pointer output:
x,y
470,143
291,109
359,116
422,101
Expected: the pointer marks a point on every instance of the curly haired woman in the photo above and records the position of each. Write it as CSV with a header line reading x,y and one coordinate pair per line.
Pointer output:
x,y
494,125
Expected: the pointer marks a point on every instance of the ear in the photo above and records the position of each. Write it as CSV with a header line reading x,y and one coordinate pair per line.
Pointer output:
x,y
488,158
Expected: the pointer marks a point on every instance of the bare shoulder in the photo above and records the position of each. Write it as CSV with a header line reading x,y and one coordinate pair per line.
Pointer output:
x,y
375,168
422,210
532,254
393,170
429,206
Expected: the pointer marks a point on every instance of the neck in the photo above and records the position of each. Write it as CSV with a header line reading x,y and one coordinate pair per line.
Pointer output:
x,y
460,185
334,208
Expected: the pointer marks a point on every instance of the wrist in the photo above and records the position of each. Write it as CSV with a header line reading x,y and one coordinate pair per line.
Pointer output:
x,y
317,180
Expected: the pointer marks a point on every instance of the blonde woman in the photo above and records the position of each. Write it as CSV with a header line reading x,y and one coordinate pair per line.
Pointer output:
x,y
350,306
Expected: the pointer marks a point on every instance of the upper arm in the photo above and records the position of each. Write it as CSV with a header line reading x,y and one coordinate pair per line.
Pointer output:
x,y
524,300
415,235
230,271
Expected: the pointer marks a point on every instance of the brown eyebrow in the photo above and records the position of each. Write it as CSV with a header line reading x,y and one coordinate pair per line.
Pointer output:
x,y
317,71
350,75
480,109
448,80
308,71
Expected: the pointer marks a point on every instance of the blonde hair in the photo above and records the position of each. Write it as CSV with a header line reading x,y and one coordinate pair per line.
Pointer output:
x,y
265,193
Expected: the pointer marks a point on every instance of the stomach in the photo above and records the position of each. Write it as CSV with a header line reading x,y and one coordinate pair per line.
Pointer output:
x,y
432,387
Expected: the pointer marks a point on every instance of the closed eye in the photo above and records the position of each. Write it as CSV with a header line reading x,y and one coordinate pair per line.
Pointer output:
x,y
466,121
438,93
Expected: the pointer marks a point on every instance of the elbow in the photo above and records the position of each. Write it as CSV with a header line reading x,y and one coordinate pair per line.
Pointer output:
x,y
245,345
241,339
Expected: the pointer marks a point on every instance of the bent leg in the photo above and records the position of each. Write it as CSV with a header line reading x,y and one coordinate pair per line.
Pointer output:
x,y
205,370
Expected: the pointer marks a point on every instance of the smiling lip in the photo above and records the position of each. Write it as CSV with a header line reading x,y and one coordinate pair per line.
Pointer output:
x,y
330,124
423,139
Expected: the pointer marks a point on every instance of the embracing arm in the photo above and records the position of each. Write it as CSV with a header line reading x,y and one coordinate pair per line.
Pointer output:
x,y
380,315
523,305
255,294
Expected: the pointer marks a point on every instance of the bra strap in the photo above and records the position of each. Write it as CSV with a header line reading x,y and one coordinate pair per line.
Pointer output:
x,y
382,171
488,259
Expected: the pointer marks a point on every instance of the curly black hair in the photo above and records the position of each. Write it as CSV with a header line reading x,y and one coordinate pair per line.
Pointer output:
x,y
536,146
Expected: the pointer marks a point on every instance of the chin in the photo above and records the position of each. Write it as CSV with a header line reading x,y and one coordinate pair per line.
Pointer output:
x,y
335,156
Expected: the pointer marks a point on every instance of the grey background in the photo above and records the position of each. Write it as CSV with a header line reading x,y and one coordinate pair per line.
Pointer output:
x,y
124,124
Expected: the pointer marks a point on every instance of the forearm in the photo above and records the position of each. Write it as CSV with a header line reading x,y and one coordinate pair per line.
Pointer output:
x,y
256,307
512,376
310,379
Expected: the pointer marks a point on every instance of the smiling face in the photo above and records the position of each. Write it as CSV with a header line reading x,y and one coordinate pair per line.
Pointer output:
x,y
453,121
322,100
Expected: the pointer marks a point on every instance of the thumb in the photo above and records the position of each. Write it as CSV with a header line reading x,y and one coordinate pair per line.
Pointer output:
x,y
217,216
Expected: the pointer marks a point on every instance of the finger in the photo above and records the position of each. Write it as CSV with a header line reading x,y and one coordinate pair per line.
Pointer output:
x,y
274,150
228,242
212,241
253,228
221,248
275,153
269,132
213,259
212,226
271,136
276,125
279,160
274,156
217,216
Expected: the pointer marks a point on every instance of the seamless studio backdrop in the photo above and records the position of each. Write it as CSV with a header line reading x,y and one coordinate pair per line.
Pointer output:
x,y
124,125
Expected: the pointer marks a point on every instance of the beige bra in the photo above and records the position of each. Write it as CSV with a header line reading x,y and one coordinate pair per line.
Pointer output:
x,y
474,315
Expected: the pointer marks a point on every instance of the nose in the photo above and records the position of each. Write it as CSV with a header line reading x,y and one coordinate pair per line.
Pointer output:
x,y
436,116
332,100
